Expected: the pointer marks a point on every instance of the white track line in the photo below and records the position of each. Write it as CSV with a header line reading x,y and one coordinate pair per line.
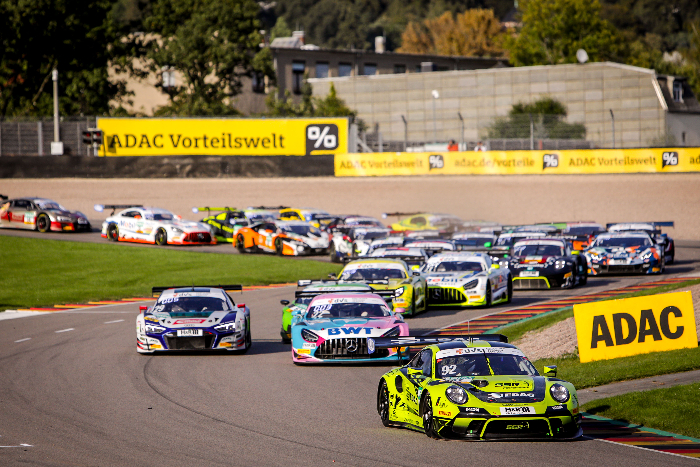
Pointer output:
x,y
65,330
22,340
115,321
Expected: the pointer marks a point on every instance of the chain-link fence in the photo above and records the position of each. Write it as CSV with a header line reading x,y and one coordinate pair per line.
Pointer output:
x,y
33,138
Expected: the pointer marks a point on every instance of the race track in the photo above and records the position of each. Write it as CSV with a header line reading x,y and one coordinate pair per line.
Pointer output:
x,y
75,390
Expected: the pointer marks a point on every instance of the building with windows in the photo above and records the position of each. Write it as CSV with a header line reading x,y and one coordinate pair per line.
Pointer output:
x,y
620,105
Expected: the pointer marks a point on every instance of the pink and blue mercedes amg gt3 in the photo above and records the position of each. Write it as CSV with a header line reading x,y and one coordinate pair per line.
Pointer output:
x,y
335,327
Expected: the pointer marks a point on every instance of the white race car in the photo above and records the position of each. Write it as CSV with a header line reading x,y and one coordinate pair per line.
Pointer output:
x,y
153,225
466,279
199,317
351,242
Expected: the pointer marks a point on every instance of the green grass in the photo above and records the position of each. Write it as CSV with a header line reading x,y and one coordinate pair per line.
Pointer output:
x,y
35,273
673,409
516,330
590,374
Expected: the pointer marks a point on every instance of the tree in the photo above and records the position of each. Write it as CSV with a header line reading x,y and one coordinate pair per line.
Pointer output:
x,y
211,43
553,30
280,29
474,33
80,39
544,116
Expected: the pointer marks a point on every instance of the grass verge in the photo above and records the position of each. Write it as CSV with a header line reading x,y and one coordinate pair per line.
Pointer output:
x,y
37,272
670,409
516,330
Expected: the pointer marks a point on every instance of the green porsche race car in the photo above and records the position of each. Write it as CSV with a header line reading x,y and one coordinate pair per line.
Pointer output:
x,y
224,225
475,387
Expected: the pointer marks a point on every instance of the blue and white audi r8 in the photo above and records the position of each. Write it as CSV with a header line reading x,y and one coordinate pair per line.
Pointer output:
x,y
193,318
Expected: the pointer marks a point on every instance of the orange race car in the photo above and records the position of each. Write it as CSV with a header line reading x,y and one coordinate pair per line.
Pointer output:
x,y
291,238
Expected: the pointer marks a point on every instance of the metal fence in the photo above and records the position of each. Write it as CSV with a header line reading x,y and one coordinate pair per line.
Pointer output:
x,y
33,138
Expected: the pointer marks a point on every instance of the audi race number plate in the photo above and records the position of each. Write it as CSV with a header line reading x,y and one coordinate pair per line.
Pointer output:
x,y
189,332
618,261
529,273
527,410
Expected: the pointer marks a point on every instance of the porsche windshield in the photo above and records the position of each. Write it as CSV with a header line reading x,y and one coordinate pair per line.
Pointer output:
x,y
347,310
372,274
624,242
190,305
483,365
455,266
301,229
538,250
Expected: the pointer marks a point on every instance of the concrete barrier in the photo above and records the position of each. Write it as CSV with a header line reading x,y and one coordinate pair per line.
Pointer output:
x,y
165,166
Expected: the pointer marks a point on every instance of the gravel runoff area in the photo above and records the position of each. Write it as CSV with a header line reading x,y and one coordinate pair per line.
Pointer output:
x,y
512,199
560,339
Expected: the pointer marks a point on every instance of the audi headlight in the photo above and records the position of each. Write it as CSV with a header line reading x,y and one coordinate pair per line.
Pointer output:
x,y
153,329
471,284
398,292
560,264
309,336
456,394
559,393
392,332
226,327
63,219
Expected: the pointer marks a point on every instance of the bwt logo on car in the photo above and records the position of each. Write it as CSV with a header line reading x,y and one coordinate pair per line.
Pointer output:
x,y
348,330
321,137
436,161
669,158
550,161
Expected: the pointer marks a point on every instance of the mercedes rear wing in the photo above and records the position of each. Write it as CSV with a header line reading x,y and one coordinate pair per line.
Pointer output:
x,y
114,207
157,291
4,197
374,343
656,225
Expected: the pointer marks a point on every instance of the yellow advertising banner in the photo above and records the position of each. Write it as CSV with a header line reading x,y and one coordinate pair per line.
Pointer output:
x,y
631,326
223,136
584,161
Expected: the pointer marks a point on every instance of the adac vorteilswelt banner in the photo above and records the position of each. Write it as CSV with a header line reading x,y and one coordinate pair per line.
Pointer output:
x,y
223,136
584,161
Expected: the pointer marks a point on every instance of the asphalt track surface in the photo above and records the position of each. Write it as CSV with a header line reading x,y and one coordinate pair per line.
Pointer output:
x,y
73,391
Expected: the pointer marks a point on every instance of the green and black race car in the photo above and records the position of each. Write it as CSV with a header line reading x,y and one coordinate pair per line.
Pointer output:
x,y
225,224
475,387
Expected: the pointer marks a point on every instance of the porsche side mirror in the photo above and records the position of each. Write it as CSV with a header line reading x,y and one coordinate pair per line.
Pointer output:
x,y
550,371
284,302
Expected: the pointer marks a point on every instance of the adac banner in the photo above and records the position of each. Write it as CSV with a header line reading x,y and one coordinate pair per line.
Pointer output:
x,y
223,136
584,161
620,328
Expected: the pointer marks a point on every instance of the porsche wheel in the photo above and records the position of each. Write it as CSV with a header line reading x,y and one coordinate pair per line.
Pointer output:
x,y
488,295
240,244
427,415
509,290
332,254
161,237
279,247
113,233
43,223
383,403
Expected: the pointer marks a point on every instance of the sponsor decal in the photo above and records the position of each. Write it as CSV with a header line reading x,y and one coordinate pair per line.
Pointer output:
x,y
189,321
350,330
223,137
620,328
444,413
550,161
303,351
669,158
506,395
308,345
436,161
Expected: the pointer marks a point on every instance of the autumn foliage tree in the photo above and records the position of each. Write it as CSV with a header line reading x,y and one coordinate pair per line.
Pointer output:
x,y
476,33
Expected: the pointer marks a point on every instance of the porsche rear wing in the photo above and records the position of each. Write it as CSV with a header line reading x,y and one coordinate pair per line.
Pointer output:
x,y
157,291
267,208
4,197
399,214
374,343
387,295
114,207
209,209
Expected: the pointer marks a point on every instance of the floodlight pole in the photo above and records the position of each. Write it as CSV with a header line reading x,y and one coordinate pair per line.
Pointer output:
x,y
461,142
405,133
612,115
56,136
434,123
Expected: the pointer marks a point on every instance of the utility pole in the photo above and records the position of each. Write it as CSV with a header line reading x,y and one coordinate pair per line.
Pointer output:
x,y
532,134
462,147
56,145
612,115
436,95
405,133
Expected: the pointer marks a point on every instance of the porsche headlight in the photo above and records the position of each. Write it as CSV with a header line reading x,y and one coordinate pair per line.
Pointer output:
x,y
153,329
226,327
398,292
63,219
560,264
456,394
309,336
559,393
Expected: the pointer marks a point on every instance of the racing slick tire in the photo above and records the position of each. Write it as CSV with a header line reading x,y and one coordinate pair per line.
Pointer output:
x,y
161,237
383,403
240,244
353,252
509,290
113,233
43,223
583,279
279,247
332,254
248,343
489,295
426,413
414,308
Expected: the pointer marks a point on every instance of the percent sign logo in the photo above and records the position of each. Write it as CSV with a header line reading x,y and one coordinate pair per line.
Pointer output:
x,y
550,161
436,161
669,158
321,137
